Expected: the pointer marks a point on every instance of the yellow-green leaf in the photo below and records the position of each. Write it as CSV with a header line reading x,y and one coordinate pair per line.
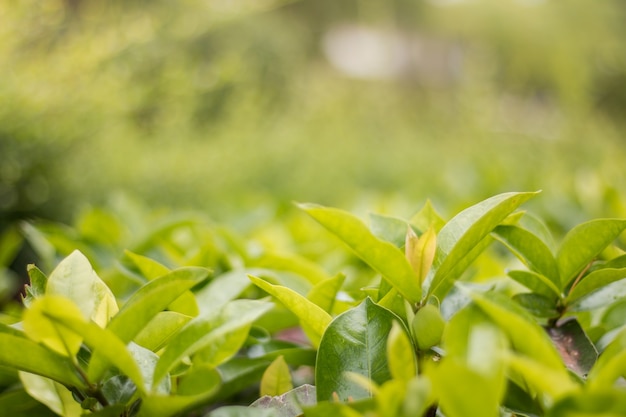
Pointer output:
x,y
312,316
75,279
276,379
400,353
420,252
50,333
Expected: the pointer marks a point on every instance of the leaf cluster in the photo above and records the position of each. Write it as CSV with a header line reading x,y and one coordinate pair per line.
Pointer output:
x,y
195,318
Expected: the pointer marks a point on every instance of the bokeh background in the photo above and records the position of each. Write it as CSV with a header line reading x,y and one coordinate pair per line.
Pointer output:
x,y
227,105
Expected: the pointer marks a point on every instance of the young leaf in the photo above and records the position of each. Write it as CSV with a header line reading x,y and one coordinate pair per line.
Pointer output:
x,y
610,402
153,298
354,342
75,279
538,305
460,237
428,217
222,289
525,335
315,319
610,365
602,297
324,293
197,387
583,243
48,332
145,303
549,383
56,322
400,353
211,331
382,256
474,349
51,393
595,281
536,283
529,249
390,229
157,333
300,265
37,287
420,252
277,379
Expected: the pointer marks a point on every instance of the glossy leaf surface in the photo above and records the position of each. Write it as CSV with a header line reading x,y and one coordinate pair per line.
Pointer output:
x,y
583,243
458,239
355,342
382,256
530,249
211,331
312,316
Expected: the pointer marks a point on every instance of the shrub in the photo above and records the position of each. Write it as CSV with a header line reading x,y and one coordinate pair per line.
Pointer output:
x,y
413,328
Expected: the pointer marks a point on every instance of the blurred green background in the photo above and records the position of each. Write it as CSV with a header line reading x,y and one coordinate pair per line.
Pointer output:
x,y
228,105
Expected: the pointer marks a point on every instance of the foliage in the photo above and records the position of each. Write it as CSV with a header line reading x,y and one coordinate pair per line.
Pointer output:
x,y
174,102
195,319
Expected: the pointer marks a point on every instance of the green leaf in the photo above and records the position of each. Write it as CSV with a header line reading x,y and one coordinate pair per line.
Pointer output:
x,y
602,297
18,403
529,249
583,243
50,333
524,334
387,228
51,393
153,298
458,240
157,333
148,267
382,256
98,339
474,358
75,279
37,287
594,281
292,263
277,378
400,353
578,353
420,252
201,379
211,331
538,305
607,403
145,303
610,365
151,269
23,354
324,293
222,289
355,342
428,217
456,402
313,317
536,283
548,382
